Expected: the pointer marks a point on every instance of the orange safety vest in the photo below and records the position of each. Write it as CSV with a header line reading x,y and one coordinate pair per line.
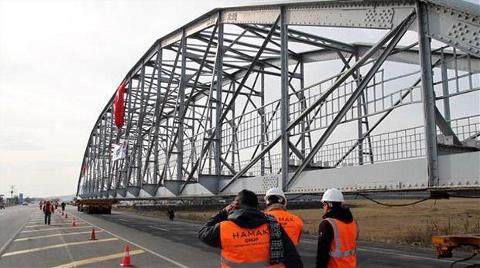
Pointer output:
x,y
245,248
291,223
343,249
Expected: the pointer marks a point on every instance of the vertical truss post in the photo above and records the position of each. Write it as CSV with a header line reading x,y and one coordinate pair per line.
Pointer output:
x,y
284,93
126,162
103,141
141,116
157,116
234,133
181,105
93,177
99,159
111,167
263,127
446,99
94,159
359,120
303,103
154,137
428,97
218,97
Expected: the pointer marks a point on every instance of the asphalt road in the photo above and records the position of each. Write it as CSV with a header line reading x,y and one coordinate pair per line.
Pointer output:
x,y
153,242
12,220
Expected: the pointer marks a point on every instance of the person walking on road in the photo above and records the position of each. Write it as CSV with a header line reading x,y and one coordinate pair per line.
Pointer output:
x,y
276,202
63,205
171,214
48,210
337,234
248,237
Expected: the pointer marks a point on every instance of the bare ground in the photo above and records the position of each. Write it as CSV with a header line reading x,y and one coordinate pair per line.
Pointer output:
x,y
413,225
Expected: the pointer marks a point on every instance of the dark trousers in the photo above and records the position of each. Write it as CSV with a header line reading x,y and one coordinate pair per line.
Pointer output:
x,y
47,218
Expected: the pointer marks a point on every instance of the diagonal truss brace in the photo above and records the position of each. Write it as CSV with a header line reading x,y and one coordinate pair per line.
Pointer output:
x,y
232,101
322,98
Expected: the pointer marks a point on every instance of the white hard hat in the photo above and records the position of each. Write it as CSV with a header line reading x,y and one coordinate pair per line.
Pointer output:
x,y
333,195
276,192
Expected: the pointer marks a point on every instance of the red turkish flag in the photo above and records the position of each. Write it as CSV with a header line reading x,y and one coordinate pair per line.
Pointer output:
x,y
84,169
119,105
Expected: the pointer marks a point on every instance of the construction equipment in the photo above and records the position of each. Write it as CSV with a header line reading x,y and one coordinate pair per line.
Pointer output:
x,y
444,244
95,205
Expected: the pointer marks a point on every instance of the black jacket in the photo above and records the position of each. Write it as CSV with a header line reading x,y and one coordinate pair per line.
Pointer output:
x,y
325,234
246,218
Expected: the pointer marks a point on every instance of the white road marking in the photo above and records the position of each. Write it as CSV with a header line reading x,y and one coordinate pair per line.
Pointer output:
x,y
154,227
137,245
4,247
26,251
98,259
60,228
51,235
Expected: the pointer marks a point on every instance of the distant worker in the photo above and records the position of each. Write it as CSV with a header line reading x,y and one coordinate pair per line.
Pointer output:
x,y
48,210
338,233
63,205
248,237
56,205
171,214
41,205
276,202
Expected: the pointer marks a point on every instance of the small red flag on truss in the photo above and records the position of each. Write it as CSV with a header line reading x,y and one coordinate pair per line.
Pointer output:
x,y
84,169
119,105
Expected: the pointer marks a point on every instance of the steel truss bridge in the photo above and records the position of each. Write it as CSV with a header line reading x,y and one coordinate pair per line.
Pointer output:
x,y
261,96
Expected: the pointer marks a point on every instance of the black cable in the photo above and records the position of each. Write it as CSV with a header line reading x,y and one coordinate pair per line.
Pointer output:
x,y
465,196
394,205
464,259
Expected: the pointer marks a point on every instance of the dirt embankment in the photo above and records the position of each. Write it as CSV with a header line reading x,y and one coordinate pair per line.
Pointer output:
x,y
413,225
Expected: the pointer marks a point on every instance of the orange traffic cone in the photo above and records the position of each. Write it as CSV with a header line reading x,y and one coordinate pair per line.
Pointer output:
x,y
92,235
126,257
74,223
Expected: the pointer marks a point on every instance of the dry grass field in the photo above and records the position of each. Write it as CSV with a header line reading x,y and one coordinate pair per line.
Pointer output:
x,y
413,225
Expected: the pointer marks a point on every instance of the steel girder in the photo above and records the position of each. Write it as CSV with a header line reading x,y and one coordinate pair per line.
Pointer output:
x,y
200,119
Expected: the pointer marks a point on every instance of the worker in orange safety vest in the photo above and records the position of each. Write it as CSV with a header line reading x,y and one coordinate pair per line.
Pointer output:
x,y
48,209
338,233
276,202
248,237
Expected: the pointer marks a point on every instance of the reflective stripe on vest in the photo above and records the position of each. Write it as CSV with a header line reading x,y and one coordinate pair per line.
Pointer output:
x,y
244,247
338,242
233,264
291,223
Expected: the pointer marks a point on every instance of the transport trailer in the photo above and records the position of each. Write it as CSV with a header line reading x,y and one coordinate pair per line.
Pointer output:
x,y
95,206
445,244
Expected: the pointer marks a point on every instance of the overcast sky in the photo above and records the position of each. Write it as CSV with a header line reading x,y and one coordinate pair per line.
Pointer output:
x,y
60,61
